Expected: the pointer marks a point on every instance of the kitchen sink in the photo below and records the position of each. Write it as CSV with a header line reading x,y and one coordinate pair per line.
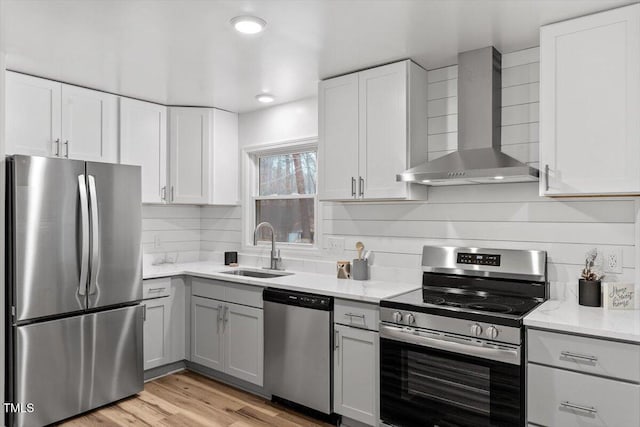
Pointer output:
x,y
257,273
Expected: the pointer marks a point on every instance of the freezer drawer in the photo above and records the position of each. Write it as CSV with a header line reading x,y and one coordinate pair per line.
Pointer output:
x,y
68,366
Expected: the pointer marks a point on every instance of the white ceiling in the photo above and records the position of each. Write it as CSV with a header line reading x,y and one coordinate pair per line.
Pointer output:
x,y
185,52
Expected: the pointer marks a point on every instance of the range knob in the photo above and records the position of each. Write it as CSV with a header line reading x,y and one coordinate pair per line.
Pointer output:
x,y
410,319
492,332
476,330
397,317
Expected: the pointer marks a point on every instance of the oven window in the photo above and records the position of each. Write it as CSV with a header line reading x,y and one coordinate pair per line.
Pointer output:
x,y
460,384
424,386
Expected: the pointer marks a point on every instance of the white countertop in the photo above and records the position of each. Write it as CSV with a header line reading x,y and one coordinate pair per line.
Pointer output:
x,y
366,290
568,316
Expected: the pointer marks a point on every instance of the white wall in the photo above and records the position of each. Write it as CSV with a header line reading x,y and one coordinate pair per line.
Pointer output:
x,y
294,120
502,215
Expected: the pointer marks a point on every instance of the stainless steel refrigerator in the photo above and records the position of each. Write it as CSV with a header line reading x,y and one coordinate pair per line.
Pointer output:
x,y
74,275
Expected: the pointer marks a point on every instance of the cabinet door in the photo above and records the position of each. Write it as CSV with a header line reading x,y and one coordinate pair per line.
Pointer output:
x,y
89,125
383,131
225,173
189,142
590,104
143,142
156,331
32,115
356,374
244,345
207,332
338,138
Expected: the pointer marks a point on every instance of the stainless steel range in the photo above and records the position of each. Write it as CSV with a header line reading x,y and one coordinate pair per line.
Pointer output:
x,y
452,353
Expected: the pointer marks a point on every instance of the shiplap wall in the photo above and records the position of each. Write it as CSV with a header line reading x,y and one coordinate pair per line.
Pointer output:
x,y
220,227
186,231
502,215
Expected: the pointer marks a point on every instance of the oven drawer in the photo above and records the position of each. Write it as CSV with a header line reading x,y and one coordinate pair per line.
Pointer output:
x,y
589,355
358,314
556,397
155,288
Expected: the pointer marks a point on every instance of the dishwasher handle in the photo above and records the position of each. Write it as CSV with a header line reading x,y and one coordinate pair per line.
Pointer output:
x,y
298,299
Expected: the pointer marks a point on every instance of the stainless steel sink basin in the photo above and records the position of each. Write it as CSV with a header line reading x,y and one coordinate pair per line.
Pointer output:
x,y
257,273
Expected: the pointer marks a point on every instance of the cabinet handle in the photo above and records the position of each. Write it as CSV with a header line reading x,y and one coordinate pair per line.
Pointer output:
x,y
157,289
226,314
546,177
66,144
336,339
219,317
579,357
144,313
353,186
57,143
172,193
163,193
352,315
569,405
361,186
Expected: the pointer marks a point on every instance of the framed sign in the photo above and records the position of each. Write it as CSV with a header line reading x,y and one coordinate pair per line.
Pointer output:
x,y
619,296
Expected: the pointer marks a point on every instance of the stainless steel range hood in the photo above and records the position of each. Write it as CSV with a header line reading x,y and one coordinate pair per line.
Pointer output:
x,y
478,159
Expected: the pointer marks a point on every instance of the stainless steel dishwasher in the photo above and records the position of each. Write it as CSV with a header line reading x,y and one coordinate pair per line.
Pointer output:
x,y
298,342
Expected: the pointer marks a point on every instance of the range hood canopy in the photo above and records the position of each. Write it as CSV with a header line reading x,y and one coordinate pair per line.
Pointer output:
x,y
479,158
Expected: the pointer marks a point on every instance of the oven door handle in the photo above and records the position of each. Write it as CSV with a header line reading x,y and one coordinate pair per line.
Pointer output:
x,y
504,354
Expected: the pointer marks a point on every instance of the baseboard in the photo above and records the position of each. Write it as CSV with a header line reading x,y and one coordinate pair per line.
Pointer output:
x,y
164,370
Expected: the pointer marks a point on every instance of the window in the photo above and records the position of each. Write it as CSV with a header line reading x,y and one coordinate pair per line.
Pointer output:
x,y
286,196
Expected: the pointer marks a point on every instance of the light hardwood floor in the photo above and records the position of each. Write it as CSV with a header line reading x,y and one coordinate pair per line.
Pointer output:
x,y
189,399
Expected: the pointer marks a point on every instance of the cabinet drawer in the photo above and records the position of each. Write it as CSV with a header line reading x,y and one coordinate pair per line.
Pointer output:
x,y
155,288
244,294
207,288
358,314
556,397
589,355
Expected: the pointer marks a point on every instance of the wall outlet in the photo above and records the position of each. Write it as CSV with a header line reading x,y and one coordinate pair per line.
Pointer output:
x,y
612,260
157,243
335,245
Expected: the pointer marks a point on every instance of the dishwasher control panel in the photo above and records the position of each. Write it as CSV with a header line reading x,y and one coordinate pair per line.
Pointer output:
x,y
300,299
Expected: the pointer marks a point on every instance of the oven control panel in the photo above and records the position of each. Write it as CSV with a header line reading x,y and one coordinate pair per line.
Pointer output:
x,y
479,259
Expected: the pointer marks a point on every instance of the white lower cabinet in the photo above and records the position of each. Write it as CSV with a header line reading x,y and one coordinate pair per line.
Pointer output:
x,y
356,374
575,381
163,341
227,336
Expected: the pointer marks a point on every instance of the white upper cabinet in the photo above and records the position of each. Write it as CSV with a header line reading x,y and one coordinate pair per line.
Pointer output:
x,y
372,126
47,118
143,142
32,115
89,125
338,133
190,139
225,166
590,104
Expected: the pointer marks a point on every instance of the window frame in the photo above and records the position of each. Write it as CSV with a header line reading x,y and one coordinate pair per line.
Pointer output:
x,y
251,156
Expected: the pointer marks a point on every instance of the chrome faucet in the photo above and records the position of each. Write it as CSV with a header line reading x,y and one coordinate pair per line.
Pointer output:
x,y
275,255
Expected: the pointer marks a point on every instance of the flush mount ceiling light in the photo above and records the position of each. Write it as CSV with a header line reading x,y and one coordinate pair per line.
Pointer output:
x,y
265,98
498,177
248,24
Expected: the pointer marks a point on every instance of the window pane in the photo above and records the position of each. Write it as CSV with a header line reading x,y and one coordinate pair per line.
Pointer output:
x,y
293,219
287,174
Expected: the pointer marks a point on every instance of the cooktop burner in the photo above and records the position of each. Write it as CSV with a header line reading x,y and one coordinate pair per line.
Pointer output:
x,y
493,308
477,301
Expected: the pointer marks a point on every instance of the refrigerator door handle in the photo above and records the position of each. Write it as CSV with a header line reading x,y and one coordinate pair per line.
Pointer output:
x,y
95,235
84,214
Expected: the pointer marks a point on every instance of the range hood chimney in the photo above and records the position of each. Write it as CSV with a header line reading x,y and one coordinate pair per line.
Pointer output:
x,y
479,159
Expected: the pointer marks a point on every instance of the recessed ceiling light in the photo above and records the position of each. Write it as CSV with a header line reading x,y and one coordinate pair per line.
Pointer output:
x,y
498,177
265,98
426,180
248,24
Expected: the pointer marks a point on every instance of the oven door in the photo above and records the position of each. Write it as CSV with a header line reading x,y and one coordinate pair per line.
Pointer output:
x,y
433,379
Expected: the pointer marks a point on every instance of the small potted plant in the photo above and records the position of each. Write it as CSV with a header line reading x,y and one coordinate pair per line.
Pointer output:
x,y
590,283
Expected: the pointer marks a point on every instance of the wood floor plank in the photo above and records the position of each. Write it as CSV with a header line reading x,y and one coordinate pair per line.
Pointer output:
x,y
187,399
